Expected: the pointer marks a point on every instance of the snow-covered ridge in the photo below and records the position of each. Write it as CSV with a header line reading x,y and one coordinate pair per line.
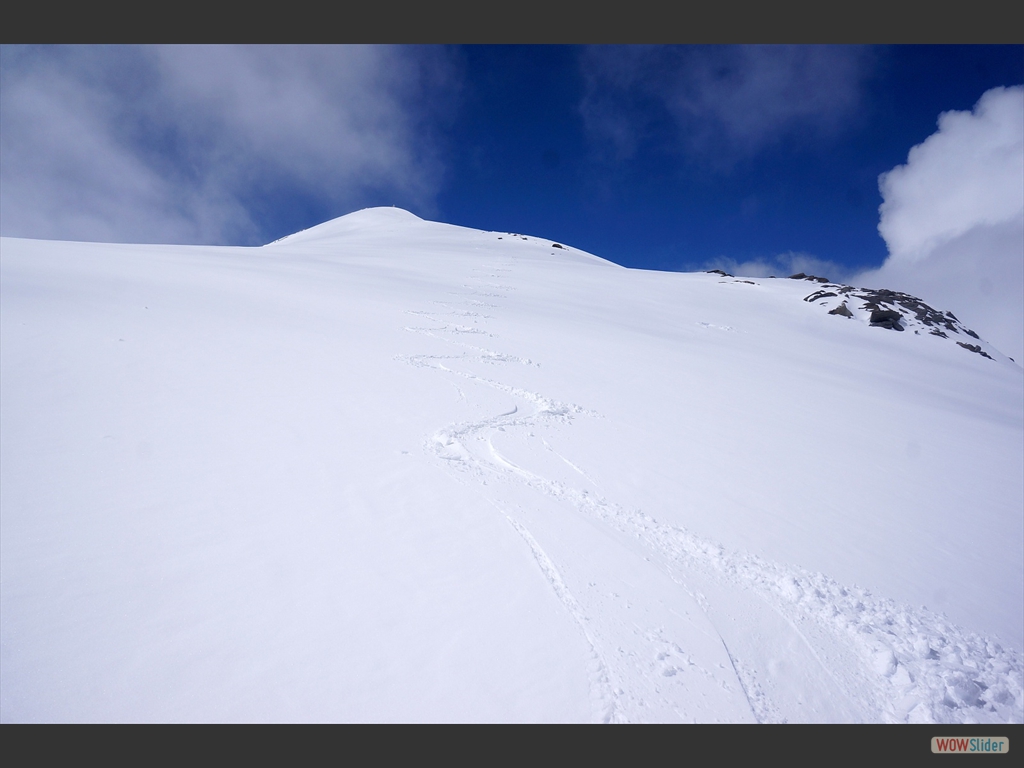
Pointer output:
x,y
376,227
381,219
396,470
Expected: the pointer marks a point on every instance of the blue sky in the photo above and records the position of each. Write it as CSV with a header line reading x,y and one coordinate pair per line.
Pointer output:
x,y
524,157
656,157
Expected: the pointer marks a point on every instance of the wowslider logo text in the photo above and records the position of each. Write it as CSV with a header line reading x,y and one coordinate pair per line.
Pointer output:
x,y
971,744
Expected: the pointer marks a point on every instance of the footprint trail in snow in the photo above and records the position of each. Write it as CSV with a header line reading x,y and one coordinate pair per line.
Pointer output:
x,y
675,622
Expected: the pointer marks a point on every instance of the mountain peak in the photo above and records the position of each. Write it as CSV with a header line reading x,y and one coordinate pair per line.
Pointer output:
x,y
379,218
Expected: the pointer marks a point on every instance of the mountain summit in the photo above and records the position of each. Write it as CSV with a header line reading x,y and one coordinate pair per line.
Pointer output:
x,y
393,470
381,219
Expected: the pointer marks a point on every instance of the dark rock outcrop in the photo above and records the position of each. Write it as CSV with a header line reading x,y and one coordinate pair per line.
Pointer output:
x,y
813,278
892,310
819,295
904,303
886,318
975,348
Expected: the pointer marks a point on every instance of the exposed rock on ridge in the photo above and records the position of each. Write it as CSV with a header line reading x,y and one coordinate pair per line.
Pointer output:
x,y
891,310
882,308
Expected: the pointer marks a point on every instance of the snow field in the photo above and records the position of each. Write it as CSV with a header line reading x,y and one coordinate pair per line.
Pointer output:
x,y
392,470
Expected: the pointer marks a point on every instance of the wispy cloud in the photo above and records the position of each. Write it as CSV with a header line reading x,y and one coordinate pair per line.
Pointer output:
x,y
953,219
720,103
188,143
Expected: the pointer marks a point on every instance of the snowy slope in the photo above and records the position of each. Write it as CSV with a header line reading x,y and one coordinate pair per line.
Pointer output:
x,y
387,469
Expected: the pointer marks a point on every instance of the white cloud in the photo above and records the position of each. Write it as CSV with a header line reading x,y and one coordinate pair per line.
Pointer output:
x,y
723,102
953,219
185,143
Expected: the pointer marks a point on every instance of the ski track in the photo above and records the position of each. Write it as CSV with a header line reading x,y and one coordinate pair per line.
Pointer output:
x,y
894,663
603,698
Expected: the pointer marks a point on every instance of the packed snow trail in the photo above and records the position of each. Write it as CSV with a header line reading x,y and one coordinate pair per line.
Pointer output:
x,y
637,670
800,646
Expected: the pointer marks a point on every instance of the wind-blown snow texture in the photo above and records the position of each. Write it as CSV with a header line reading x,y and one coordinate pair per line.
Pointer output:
x,y
393,470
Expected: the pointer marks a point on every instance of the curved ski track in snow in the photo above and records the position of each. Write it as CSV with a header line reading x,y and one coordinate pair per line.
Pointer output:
x,y
877,661
603,697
